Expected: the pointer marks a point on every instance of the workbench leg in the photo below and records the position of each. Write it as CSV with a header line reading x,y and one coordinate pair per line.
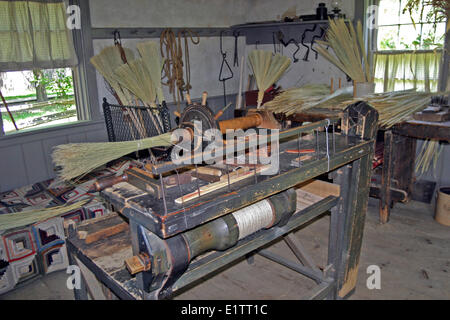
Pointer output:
x,y
348,218
347,225
386,177
404,161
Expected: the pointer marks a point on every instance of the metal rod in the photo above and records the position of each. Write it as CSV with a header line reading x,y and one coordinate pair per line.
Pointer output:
x,y
299,150
196,180
163,192
228,176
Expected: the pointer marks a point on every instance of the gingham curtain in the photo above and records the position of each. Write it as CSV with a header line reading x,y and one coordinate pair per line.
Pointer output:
x,y
33,34
407,70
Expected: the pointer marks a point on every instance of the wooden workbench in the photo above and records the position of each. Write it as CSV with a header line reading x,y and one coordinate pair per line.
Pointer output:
x,y
397,173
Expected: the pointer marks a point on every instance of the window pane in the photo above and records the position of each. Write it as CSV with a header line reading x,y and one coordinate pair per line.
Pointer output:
x,y
433,35
38,98
409,37
406,17
388,12
388,38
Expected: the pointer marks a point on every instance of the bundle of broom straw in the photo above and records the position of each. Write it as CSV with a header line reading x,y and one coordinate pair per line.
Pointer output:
x,y
428,155
349,51
295,100
137,79
25,218
267,69
77,159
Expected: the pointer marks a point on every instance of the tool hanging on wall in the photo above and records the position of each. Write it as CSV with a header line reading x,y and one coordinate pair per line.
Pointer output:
x,y
118,43
225,64
172,52
277,45
305,58
280,37
236,35
313,41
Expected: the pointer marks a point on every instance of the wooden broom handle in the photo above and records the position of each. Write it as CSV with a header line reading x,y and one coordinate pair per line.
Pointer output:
x,y
7,109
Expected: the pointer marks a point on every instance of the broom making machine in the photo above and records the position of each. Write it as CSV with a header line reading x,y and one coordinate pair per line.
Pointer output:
x,y
178,221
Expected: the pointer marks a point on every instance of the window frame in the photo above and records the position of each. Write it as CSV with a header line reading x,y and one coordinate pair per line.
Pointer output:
x,y
371,37
84,77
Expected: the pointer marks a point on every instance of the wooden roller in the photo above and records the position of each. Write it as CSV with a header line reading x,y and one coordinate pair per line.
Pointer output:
x,y
250,121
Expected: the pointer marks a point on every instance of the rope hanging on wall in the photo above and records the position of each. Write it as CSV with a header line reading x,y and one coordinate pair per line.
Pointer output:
x,y
172,52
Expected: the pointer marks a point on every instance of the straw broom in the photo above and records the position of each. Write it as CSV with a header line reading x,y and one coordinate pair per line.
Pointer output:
x,y
267,69
136,78
105,63
77,159
350,55
25,218
149,52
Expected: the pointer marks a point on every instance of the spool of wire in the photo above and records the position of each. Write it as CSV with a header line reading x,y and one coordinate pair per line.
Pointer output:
x,y
253,218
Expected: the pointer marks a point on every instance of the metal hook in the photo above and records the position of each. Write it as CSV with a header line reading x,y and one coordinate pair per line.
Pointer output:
x,y
117,40
305,58
224,63
236,34
285,44
322,32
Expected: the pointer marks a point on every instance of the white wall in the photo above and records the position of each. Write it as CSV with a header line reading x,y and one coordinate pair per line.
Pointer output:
x,y
167,13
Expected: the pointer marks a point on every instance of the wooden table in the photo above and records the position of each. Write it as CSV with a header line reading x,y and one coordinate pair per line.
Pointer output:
x,y
399,157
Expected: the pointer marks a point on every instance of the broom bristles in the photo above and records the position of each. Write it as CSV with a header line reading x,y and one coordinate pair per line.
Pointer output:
x,y
349,50
77,159
106,62
149,52
26,218
267,69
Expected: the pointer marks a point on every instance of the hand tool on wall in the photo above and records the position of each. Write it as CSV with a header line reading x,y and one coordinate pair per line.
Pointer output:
x,y
305,58
313,41
236,35
280,37
222,77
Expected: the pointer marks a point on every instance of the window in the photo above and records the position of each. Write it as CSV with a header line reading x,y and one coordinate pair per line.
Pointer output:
x,y
398,30
409,46
37,65
37,98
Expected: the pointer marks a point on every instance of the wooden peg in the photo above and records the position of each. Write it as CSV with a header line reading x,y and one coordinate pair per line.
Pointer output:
x,y
188,98
204,97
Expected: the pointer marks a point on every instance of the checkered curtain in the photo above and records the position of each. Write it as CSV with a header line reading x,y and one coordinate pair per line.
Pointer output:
x,y
33,34
407,70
